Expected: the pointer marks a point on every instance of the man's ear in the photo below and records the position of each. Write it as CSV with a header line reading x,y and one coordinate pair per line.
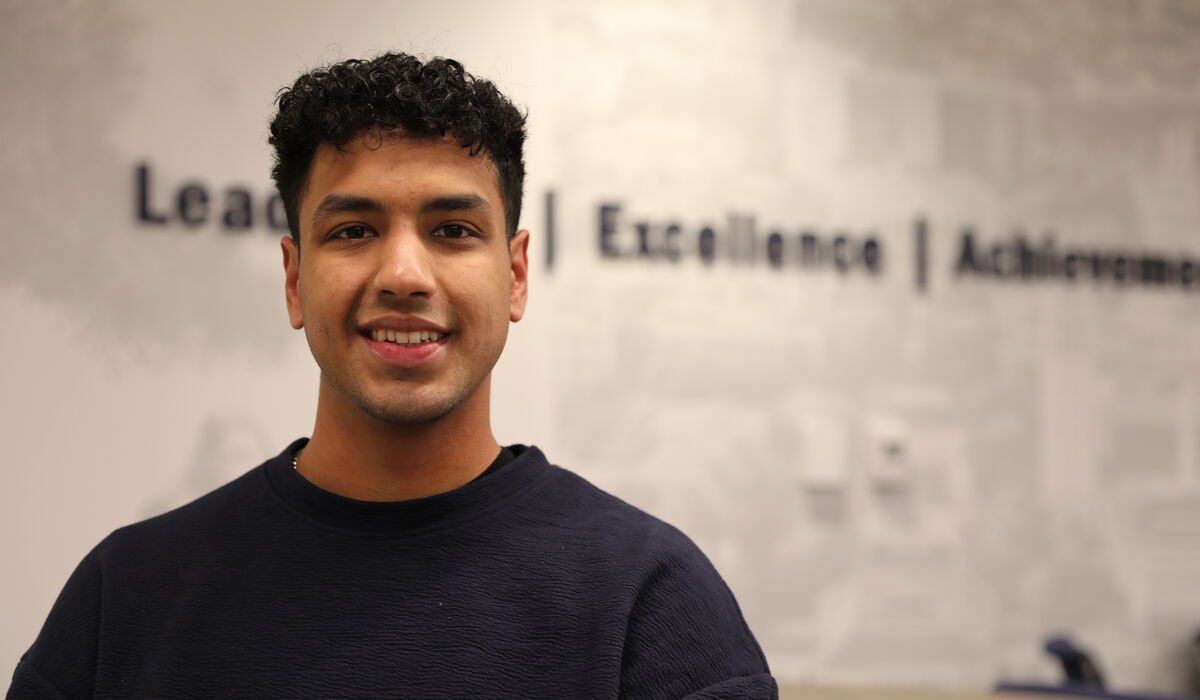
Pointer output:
x,y
291,281
518,252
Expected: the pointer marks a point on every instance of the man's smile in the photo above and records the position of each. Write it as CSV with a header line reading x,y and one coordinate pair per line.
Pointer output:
x,y
405,347
407,339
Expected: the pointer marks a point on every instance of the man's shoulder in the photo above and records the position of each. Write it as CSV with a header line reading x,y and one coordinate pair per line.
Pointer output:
x,y
219,512
610,521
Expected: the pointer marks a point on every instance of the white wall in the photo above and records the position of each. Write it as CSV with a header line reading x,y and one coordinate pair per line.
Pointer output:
x,y
901,485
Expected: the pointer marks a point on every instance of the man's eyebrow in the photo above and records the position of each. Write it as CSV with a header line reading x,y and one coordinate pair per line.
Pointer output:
x,y
455,202
342,204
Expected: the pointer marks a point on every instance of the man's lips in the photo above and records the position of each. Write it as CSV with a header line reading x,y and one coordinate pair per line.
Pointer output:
x,y
405,347
400,339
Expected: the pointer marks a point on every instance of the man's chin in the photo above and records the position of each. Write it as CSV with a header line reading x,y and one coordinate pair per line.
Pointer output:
x,y
402,403
408,413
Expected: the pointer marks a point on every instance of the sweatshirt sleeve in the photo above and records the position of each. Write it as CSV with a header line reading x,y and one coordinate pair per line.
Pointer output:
x,y
62,661
687,637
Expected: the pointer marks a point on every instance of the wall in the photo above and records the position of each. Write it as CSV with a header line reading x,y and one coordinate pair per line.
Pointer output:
x,y
911,459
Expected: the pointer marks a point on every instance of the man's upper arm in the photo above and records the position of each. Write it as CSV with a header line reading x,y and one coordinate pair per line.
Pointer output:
x,y
62,661
687,637
760,685
29,683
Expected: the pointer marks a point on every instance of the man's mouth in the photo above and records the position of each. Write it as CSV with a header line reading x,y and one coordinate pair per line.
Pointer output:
x,y
406,339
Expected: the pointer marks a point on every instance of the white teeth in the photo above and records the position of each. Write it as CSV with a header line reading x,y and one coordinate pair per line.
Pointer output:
x,y
403,338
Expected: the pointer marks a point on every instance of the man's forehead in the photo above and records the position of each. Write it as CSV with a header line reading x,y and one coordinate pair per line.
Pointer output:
x,y
370,151
361,168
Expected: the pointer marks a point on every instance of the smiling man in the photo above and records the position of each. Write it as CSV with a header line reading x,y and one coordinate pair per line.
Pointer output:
x,y
401,551
406,285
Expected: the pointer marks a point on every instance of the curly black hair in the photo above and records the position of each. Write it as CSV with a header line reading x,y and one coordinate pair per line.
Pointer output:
x,y
395,92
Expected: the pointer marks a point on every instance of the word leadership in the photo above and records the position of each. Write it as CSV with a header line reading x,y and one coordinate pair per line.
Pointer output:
x,y
191,205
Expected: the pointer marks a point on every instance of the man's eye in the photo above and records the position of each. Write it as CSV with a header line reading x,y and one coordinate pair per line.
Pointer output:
x,y
453,231
352,233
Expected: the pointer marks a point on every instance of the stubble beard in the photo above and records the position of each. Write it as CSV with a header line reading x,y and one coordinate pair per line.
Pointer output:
x,y
400,407
407,397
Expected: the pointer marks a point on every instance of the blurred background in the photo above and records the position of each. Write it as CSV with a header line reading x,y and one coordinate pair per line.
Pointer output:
x,y
834,286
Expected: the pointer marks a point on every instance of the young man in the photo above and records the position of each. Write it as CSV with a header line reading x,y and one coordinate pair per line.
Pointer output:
x,y
399,552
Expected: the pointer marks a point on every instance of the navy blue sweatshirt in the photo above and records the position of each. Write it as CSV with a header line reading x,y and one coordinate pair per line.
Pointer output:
x,y
528,582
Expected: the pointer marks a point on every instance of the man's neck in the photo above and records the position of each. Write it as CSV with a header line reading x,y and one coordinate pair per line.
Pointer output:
x,y
361,457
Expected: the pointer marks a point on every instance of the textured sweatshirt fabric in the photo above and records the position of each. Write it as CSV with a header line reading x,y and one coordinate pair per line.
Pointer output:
x,y
526,583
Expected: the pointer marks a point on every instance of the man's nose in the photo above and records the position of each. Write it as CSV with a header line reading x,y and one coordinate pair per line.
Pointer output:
x,y
405,266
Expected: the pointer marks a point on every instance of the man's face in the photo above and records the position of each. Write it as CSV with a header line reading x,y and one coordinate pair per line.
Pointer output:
x,y
406,282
